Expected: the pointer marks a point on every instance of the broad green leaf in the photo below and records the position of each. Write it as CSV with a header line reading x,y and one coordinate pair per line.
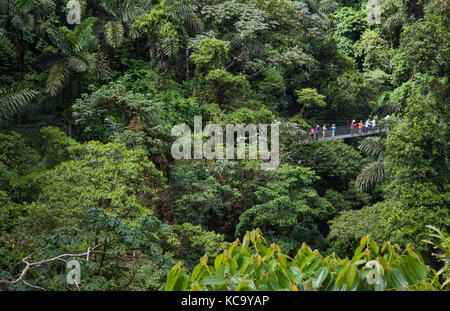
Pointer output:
x,y
320,277
214,280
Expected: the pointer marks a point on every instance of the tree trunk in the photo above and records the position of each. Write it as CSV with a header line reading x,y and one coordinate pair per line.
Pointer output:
x,y
304,112
21,52
187,64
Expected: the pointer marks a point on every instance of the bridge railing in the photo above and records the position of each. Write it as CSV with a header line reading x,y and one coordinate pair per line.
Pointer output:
x,y
343,131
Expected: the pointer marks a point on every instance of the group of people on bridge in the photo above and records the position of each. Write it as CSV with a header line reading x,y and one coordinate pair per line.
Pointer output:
x,y
360,128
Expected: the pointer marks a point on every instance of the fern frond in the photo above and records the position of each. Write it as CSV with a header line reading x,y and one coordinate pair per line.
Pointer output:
x,y
372,147
44,7
130,10
23,22
135,33
80,62
59,40
114,34
101,69
394,21
25,6
109,7
183,10
328,6
57,77
194,23
13,98
81,34
370,175
380,101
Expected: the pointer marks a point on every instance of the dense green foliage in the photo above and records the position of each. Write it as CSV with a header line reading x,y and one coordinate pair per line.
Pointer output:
x,y
252,265
86,112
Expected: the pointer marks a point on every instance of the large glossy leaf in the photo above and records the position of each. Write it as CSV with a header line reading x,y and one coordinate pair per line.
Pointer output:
x,y
398,279
320,276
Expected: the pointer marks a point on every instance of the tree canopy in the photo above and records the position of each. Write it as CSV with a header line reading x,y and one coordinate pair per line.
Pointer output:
x,y
88,111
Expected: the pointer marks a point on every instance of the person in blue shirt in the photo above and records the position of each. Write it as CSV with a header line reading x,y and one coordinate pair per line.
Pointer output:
x,y
333,130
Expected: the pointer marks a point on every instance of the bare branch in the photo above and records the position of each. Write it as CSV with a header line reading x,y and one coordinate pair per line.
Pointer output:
x,y
38,263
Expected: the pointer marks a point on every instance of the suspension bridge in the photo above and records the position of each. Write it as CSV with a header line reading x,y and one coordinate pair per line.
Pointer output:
x,y
342,131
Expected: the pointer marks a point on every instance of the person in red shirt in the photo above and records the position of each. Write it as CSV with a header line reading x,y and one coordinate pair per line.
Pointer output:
x,y
352,126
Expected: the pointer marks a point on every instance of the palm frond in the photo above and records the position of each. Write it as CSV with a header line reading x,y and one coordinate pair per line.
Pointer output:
x,y
328,6
114,34
23,22
130,10
57,77
44,7
13,98
146,5
194,23
101,69
372,147
25,6
380,102
169,41
59,40
79,63
109,7
370,175
135,33
394,21
82,34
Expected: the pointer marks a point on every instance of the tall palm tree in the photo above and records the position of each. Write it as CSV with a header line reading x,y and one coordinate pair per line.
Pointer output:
x,y
72,56
114,16
167,37
13,98
114,19
374,172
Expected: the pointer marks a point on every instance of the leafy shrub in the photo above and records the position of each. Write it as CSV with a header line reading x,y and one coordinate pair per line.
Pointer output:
x,y
252,265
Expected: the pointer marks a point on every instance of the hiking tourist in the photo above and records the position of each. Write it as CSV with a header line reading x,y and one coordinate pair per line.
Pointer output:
x,y
311,133
367,125
324,131
374,125
316,132
360,126
352,126
333,130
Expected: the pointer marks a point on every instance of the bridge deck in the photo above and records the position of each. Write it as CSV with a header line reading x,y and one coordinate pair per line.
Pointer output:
x,y
370,132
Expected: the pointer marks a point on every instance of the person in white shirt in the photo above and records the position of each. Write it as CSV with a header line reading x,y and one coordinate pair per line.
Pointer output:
x,y
366,126
374,125
386,121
